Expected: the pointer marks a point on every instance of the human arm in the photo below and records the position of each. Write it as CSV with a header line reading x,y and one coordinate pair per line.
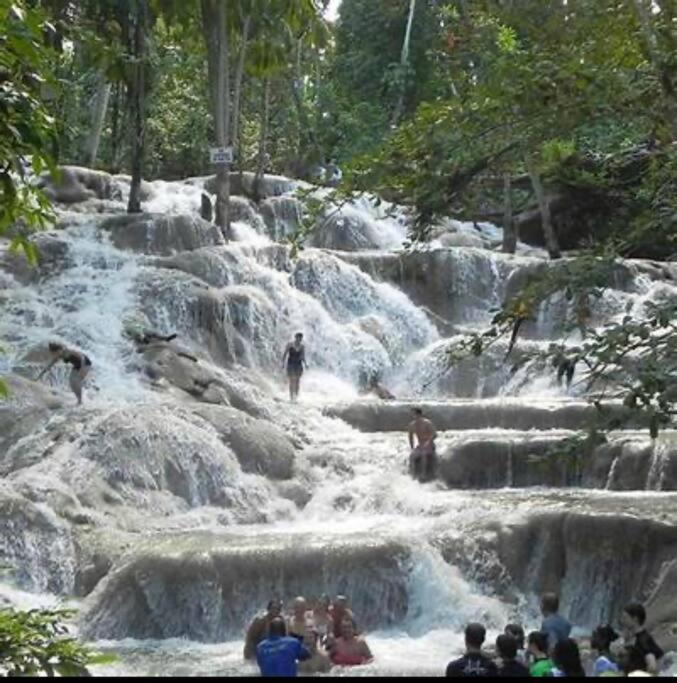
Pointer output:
x,y
432,436
284,355
365,651
250,640
49,366
303,652
411,437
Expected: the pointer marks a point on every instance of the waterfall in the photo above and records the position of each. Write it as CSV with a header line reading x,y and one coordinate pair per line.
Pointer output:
x,y
188,490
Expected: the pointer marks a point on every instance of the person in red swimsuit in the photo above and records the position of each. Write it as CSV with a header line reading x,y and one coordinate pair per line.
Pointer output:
x,y
350,649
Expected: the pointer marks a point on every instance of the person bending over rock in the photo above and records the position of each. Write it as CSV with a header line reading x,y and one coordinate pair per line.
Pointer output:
x,y
422,457
80,362
349,649
258,629
474,663
278,654
295,358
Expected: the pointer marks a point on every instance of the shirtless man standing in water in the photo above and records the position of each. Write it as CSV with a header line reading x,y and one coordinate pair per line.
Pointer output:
x,y
422,457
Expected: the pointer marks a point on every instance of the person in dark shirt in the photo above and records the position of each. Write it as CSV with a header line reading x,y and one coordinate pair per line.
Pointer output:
x,y
278,654
474,662
636,636
554,625
509,667
567,660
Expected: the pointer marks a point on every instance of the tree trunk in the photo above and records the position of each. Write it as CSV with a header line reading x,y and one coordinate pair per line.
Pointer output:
x,y
237,94
138,104
404,61
307,137
263,138
98,117
551,243
660,55
216,37
116,128
509,232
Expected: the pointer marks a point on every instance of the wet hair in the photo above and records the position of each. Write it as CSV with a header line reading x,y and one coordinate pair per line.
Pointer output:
x,y
417,411
55,346
567,658
549,602
602,637
277,627
475,634
636,611
540,640
273,602
298,335
517,632
506,646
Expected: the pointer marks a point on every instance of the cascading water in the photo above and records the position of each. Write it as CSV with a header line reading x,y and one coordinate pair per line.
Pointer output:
x,y
187,490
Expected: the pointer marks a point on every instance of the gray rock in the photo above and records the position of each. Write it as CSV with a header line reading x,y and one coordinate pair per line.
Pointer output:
x,y
202,586
161,235
29,406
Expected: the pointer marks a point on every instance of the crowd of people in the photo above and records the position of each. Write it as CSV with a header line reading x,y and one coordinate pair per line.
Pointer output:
x,y
311,640
308,640
552,652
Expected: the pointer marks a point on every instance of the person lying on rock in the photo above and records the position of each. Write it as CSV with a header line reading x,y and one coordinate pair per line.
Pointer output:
x,y
349,649
258,629
146,338
422,457
80,362
375,387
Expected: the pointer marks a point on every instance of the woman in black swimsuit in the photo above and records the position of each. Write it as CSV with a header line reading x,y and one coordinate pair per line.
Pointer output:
x,y
80,362
295,358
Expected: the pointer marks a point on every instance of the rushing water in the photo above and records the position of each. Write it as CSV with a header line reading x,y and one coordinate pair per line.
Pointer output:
x,y
355,483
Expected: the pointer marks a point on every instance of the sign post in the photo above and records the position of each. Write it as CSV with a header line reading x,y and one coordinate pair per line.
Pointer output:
x,y
221,155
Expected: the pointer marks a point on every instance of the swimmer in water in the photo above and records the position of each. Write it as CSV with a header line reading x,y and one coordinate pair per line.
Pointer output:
x,y
422,457
294,359
350,649
80,362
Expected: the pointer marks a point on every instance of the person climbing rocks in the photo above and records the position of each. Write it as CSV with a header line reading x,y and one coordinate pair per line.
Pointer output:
x,y
258,629
474,663
422,457
80,362
294,359
554,625
349,649
278,654
636,636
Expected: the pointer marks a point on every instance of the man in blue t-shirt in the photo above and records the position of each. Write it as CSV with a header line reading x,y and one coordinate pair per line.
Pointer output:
x,y
278,654
554,625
